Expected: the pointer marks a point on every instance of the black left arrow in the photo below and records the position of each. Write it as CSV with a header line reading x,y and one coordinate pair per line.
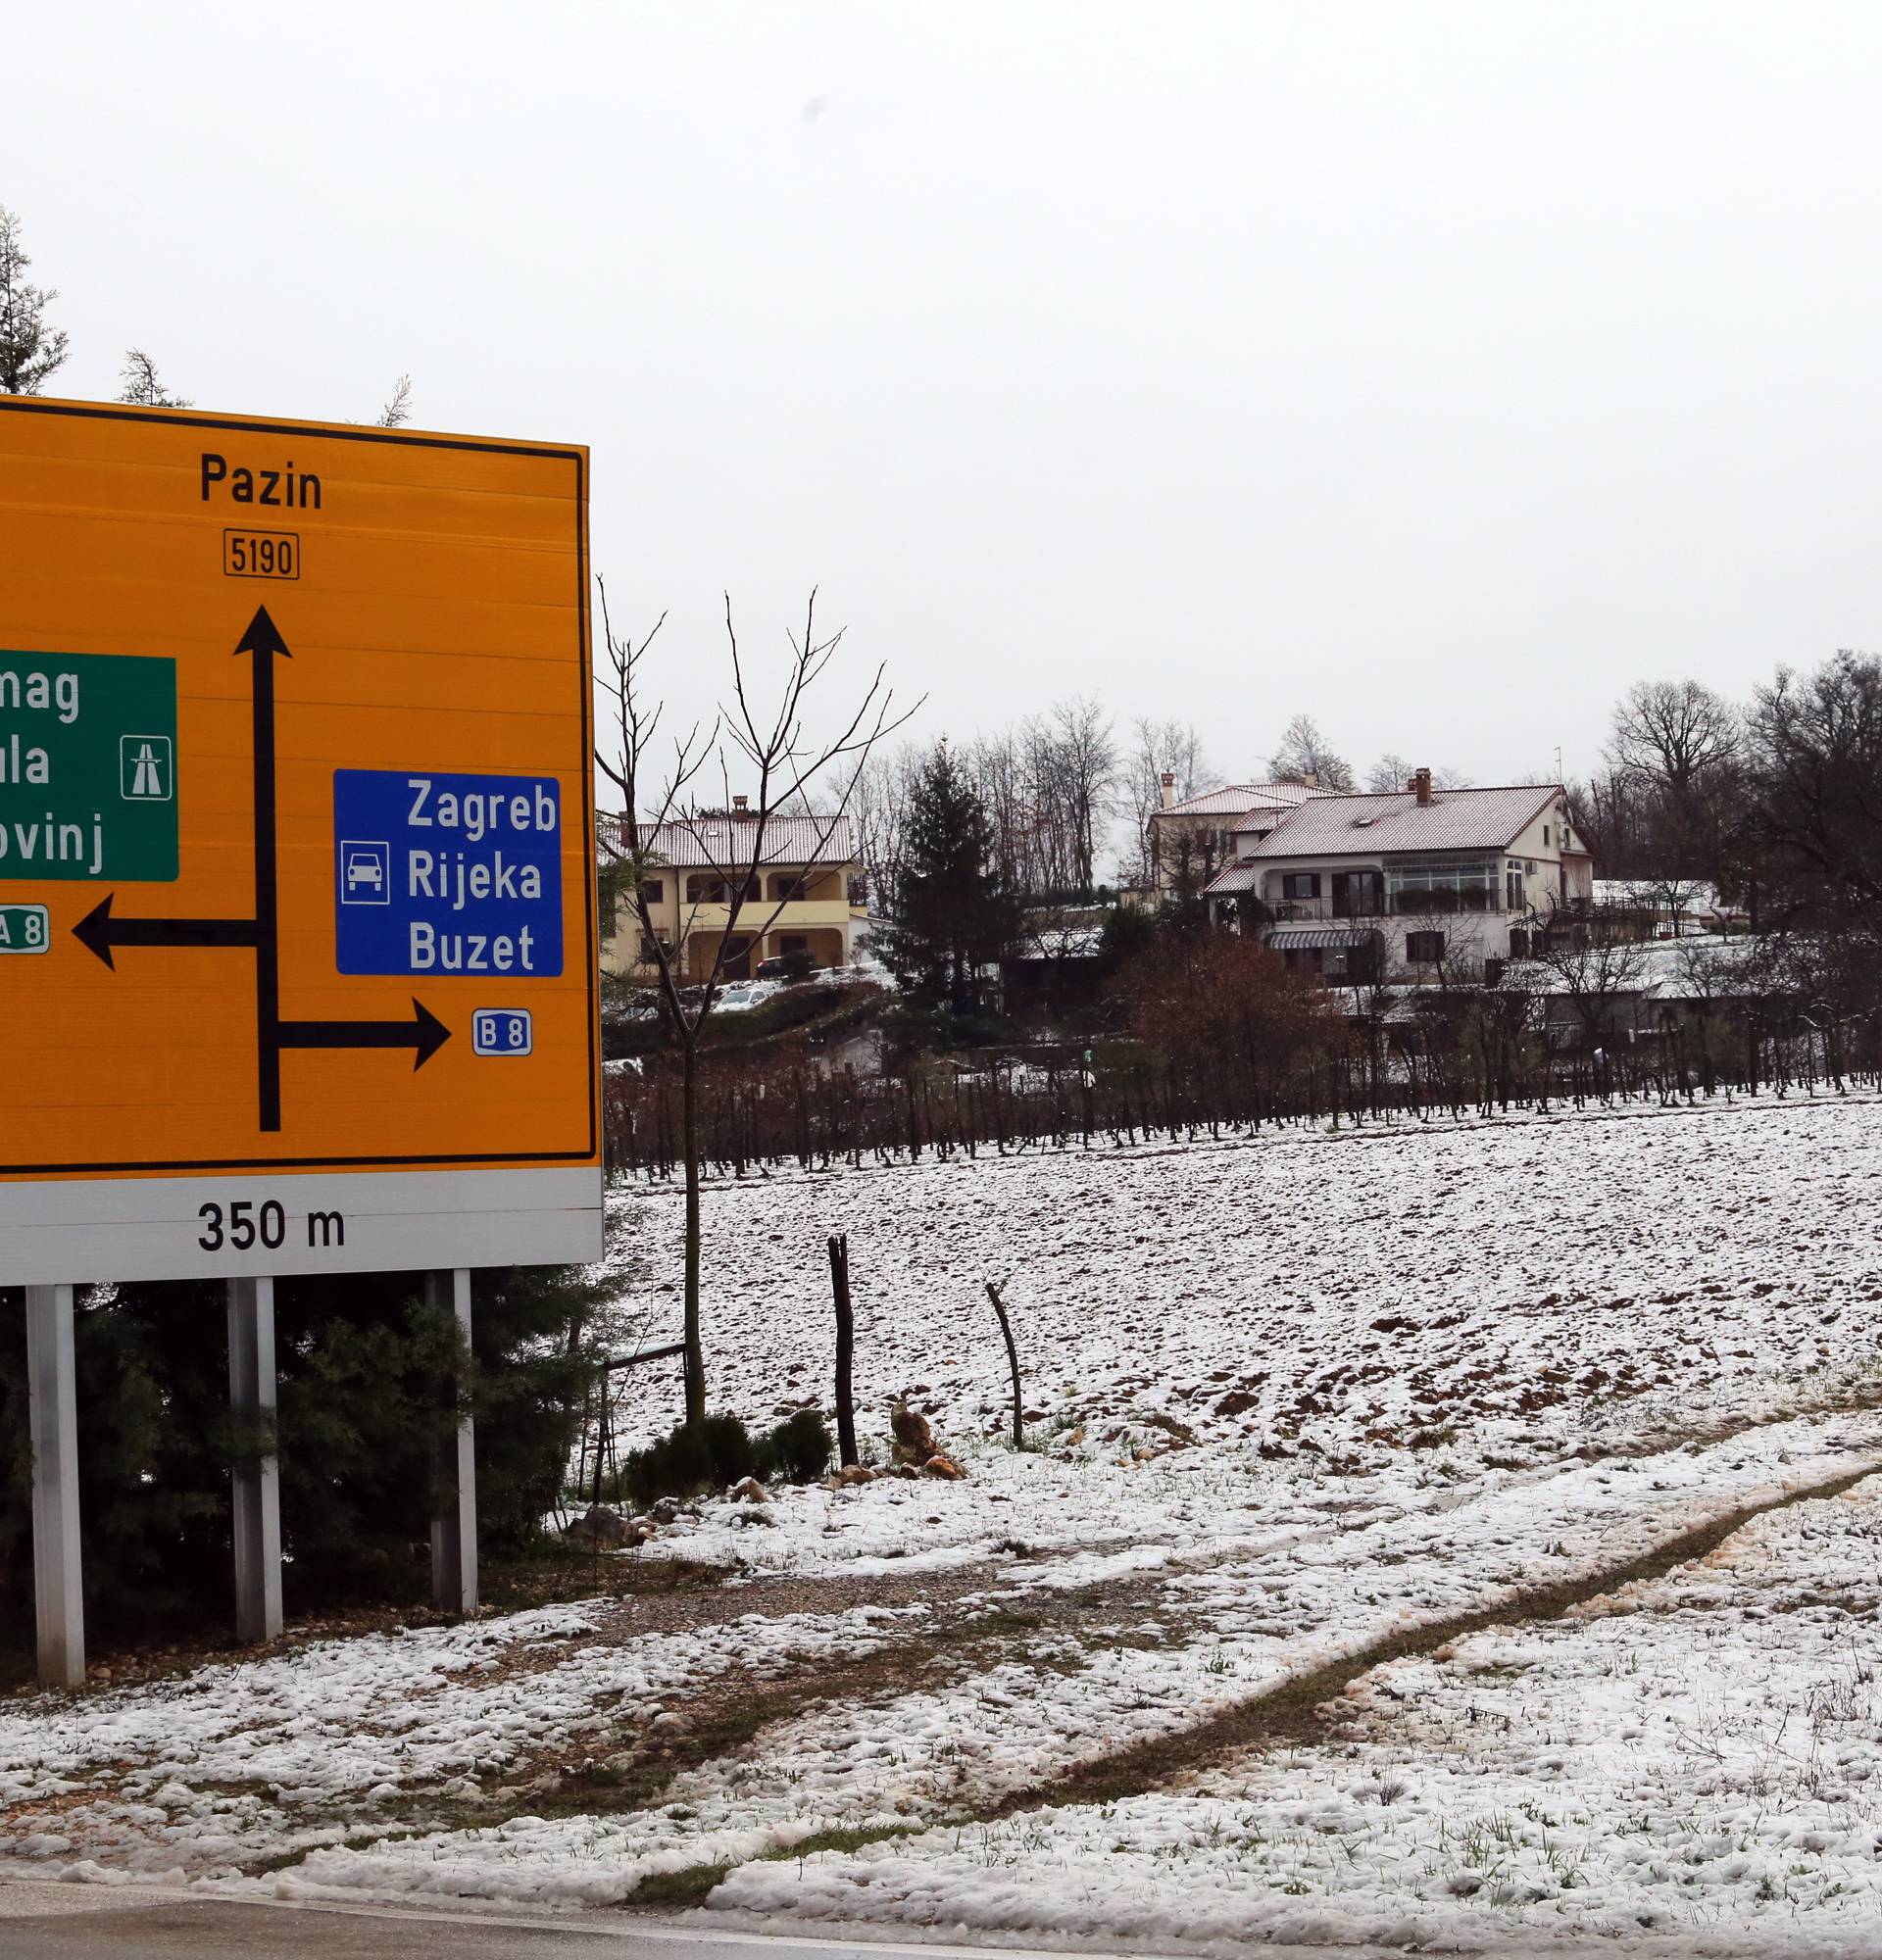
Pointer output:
x,y
99,931
424,1033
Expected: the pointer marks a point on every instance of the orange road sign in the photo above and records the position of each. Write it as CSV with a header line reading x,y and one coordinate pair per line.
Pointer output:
x,y
297,909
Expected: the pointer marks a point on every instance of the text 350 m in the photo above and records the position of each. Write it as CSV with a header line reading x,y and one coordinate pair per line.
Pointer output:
x,y
241,1226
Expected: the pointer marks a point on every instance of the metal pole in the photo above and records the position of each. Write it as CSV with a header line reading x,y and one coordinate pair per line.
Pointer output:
x,y
52,1420
453,1532
256,1481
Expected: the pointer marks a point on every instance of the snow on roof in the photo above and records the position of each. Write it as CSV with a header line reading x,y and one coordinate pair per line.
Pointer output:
x,y
1237,878
1060,942
725,842
1237,799
1337,826
1677,969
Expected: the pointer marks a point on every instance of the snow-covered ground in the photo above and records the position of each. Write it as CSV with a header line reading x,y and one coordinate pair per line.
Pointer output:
x,y
1296,1403
1692,1761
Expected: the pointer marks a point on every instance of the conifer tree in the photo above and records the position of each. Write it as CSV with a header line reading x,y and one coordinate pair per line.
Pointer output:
x,y
142,385
952,912
30,350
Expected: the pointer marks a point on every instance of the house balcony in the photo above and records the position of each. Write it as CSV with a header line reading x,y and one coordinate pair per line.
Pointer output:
x,y
795,915
1377,905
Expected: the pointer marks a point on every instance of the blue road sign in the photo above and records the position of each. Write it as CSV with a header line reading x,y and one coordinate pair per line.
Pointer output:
x,y
440,874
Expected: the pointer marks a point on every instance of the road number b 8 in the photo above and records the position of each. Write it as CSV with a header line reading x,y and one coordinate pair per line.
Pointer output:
x,y
501,1031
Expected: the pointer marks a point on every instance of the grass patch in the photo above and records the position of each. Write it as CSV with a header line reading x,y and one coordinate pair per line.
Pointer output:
x,y
840,1837
690,1886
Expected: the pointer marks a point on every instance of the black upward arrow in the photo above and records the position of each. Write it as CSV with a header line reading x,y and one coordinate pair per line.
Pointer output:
x,y
101,932
263,641
424,1033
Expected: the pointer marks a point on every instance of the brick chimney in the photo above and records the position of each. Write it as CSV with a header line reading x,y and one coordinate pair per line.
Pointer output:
x,y
741,804
1169,789
1420,786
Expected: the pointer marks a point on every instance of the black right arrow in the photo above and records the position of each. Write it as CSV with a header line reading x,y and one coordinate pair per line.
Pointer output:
x,y
99,931
424,1033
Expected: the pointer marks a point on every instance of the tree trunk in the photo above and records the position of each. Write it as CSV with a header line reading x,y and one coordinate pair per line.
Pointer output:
x,y
690,1143
845,1349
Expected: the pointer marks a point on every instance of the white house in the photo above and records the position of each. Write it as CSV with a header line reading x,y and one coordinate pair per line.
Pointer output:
x,y
1414,884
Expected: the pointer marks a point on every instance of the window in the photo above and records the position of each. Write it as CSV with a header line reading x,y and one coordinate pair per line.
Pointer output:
x,y
1513,890
1518,943
1545,837
1424,949
1300,884
653,890
1440,885
1492,972
702,889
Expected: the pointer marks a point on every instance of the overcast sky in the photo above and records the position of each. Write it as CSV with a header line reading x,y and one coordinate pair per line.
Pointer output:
x,y
1438,369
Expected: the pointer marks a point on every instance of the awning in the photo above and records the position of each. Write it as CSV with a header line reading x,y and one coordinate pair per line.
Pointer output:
x,y
1305,938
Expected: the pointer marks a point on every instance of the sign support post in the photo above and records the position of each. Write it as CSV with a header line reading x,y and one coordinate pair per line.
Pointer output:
x,y
453,1531
53,1420
256,1482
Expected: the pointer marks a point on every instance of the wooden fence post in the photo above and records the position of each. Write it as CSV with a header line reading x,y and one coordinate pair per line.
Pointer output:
x,y
845,1348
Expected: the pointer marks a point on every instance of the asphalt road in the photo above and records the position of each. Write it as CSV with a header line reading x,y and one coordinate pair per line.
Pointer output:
x,y
74,1922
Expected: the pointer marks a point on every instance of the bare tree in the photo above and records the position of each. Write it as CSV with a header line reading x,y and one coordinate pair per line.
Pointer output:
x,y
1594,970
1675,755
1160,749
1816,777
142,386
1394,772
774,753
1086,761
398,409
30,352
878,819
1672,732
1306,753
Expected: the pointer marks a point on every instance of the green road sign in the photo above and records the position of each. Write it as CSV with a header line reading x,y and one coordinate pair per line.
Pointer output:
x,y
87,767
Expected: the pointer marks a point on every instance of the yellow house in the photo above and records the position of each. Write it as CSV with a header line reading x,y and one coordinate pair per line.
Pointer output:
x,y
808,894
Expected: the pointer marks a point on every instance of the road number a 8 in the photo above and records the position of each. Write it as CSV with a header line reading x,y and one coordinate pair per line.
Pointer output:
x,y
501,1031
23,929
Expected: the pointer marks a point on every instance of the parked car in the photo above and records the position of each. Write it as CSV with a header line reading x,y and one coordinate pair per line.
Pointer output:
x,y
786,967
744,995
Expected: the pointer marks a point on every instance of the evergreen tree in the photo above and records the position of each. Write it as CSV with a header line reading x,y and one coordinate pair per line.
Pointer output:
x,y
30,350
369,1381
952,914
143,387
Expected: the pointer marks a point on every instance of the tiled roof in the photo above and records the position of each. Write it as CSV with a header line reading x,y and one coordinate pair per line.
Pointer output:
x,y
1236,798
1237,878
1336,826
710,841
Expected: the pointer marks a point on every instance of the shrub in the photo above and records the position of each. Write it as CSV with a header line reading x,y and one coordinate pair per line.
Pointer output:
x,y
797,1451
695,1456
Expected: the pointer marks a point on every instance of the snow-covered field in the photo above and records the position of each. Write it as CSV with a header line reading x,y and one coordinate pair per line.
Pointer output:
x,y
1298,1407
